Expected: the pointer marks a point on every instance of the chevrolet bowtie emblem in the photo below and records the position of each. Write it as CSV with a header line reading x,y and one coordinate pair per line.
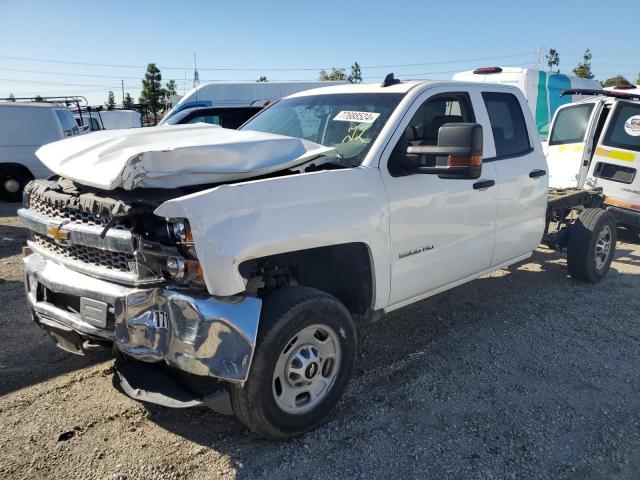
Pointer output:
x,y
56,233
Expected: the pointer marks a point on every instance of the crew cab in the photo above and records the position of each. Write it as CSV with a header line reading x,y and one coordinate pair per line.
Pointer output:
x,y
226,267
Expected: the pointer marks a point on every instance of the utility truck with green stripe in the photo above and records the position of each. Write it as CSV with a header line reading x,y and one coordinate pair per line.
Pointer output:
x,y
541,89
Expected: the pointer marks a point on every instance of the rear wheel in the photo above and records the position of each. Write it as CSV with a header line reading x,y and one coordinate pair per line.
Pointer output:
x,y
12,182
592,245
303,361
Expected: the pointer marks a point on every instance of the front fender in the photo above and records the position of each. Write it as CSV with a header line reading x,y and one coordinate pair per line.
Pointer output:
x,y
238,222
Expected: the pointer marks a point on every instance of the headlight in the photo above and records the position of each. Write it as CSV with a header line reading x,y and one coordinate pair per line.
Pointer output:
x,y
184,271
176,268
181,231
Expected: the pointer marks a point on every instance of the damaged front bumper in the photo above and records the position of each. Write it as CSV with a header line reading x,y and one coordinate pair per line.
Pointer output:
x,y
194,333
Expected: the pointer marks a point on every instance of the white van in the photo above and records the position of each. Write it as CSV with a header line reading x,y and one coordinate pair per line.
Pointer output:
x,y
596,143
541,89
25,127
240,95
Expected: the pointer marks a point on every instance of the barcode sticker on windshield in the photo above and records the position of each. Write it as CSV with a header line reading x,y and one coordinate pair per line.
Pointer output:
x,y
358,117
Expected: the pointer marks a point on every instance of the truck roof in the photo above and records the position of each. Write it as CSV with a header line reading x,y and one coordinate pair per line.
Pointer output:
x,y
401,87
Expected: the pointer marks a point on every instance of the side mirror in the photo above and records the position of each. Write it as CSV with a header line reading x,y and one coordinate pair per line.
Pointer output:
x,y
458,153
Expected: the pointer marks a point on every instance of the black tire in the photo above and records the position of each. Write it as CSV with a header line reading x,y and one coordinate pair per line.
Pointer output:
x,y
285,313
633,232
13,175
582,246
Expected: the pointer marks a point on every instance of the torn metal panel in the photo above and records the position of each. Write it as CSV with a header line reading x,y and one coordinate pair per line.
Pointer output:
x,y
179,156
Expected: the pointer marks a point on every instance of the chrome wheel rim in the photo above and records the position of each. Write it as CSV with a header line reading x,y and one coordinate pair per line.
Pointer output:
x,y
11,185
306,369
603,247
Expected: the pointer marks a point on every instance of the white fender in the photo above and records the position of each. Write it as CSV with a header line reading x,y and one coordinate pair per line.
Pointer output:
x,y
233,223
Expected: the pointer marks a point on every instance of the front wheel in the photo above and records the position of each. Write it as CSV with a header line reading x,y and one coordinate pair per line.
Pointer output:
x,y
303,361
592,245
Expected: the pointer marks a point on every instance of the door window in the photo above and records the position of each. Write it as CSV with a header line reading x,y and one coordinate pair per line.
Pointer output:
x,y
624,128
571,124
510,134
434,113
424,127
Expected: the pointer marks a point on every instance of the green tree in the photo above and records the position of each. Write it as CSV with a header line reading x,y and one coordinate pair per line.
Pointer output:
x,y
553,59
12,97
37,98
111,101
262,79
355,76
583,69
335,74
152,95
615,81
127,103
171,88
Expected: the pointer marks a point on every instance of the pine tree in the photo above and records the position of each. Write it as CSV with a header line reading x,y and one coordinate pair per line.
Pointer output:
x,y
111,101
152,95
356,75
127,103
583,70
171,89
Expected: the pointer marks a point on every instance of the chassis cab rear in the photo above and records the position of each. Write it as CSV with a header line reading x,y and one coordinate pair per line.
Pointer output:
x,y
596,143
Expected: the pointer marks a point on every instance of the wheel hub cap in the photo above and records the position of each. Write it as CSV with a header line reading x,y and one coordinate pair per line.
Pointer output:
x,y
11,185
603,247
306,369
302,365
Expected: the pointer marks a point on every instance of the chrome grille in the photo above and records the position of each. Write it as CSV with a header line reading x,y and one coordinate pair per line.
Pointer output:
x,y
116,261
39,205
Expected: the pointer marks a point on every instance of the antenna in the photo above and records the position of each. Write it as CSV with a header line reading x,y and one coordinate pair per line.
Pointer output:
x,y
196,76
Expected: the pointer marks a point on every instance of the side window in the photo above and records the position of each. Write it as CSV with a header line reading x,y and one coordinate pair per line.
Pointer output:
x,y
624,128
434,113
213,119
508,126
571,124
424,126
67,122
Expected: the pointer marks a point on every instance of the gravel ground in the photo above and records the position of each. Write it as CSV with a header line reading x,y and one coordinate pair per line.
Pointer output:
x,y
522,374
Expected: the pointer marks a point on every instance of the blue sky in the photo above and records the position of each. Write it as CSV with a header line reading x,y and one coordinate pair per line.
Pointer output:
x,y
442,37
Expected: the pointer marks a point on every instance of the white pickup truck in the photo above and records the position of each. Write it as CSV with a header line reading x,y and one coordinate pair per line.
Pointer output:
x,y
226,268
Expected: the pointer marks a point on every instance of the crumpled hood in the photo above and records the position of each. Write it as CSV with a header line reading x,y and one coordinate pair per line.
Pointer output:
x,y
176,156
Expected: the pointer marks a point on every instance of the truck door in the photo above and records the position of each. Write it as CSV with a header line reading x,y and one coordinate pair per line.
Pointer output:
x,y
521,175
570,144
617,157
442,230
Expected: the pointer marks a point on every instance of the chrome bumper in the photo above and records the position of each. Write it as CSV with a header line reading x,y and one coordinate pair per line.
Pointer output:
x,y
201,335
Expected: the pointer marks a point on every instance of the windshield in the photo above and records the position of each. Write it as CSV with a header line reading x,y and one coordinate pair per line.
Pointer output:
x,y
348,122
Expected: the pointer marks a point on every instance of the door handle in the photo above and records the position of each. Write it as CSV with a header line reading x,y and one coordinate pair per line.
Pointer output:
x,y
483,184
537,173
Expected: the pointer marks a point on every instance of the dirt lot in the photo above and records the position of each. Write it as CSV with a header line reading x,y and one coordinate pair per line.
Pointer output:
x,y
523,374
